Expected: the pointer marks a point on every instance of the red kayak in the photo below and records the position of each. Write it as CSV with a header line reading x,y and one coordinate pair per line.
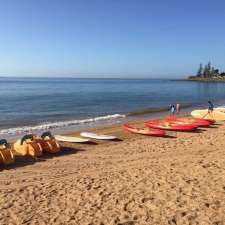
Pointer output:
x,y
189,120
169,125
145,131
210,121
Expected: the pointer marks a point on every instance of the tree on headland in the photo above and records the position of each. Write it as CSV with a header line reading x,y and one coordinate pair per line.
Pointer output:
x,y
217,72
209,66
205,71
200,71
208,71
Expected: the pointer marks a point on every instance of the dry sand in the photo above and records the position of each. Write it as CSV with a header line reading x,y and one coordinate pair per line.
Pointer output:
x,y
140,180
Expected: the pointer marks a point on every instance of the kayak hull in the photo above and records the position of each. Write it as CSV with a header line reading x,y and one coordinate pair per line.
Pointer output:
x,y
171,126
189,120
144,131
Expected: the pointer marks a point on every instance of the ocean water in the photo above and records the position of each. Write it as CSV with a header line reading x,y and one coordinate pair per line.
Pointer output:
x,y
48,103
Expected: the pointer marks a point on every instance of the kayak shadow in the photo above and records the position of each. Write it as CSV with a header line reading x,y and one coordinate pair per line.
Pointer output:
x,y
169,136
200,130
90,143
197,131
116,140
22,161
206,128
213,127
63,151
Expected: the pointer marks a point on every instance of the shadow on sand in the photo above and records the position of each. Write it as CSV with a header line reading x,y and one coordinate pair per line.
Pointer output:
x,y
64,151
213,126
169,136
21,161
116,140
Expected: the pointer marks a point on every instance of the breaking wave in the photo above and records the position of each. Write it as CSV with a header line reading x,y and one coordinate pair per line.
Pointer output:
x,y
51,125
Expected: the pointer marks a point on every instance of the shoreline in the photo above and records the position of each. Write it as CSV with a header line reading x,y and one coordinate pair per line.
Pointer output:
x,y
123,118
213,80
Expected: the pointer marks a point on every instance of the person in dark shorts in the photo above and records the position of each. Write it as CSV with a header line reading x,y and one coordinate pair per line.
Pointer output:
x,y
210,107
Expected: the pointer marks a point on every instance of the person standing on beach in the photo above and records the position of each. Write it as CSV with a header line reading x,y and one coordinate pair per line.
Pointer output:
x,y
172,109
177,108
210,107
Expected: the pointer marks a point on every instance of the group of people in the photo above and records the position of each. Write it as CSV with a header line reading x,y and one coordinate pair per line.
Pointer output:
x,y
175,109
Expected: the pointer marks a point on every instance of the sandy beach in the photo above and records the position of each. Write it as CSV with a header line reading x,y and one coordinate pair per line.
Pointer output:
x,y
138,180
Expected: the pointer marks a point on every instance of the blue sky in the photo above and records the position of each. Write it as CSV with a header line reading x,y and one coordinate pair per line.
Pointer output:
x,y
110,38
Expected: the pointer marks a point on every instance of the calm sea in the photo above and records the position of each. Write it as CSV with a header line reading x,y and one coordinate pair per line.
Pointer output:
x,y
47,103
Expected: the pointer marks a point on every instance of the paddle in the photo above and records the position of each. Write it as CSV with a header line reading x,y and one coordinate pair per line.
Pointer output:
x,y
207,114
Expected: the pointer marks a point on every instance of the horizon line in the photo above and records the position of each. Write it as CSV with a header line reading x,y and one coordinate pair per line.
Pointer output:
x,y
73,77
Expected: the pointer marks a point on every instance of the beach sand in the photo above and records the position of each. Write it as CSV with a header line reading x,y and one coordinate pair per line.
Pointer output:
x,y
140,180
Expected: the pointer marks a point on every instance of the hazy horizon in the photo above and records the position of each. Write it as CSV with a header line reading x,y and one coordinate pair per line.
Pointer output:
x,y
95,76
120,39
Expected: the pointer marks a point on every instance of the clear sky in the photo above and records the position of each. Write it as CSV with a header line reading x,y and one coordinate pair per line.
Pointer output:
x,y
110,38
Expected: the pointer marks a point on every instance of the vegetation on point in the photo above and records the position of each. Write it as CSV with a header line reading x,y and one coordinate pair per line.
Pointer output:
x,y
208,72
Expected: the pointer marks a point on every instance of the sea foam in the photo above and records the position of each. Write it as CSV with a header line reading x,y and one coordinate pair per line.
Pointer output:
x,y
52,125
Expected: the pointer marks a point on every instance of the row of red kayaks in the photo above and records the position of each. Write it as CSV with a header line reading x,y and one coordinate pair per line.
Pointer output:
x,y
158,127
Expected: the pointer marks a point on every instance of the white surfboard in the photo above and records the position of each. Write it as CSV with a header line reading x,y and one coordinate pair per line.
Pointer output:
x,y
71,139
97,136
220,109
203,114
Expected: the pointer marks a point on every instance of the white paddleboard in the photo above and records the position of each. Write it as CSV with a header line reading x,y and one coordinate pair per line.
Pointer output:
x,y
97,136
71,139
203,114
220,109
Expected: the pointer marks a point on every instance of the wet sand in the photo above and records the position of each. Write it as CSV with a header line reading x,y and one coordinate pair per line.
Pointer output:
x,y
139,180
